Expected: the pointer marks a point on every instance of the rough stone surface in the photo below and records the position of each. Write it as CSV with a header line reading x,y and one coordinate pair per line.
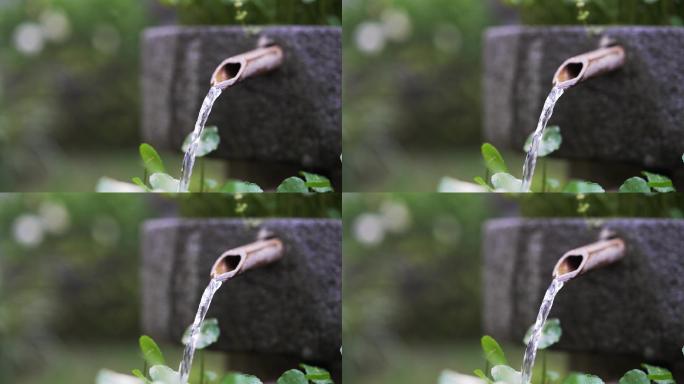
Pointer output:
x,y
292,115
289,308
633,115
633,307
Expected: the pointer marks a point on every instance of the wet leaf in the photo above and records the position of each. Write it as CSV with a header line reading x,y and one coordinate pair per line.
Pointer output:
x,y
551,333
109,377
658,374
317,182
293,376
164,374
493,159
506,374
150,351
137,181
634,185
137,373
161,182
151,159
635,376
208,334
493,352
239,378
317,375
550,142
580,378
579,186
479,373
108,185
504,182
209,141
292,185
659,182
237,186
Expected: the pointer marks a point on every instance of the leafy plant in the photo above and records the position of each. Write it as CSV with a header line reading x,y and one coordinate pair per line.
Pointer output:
x,y
160,373
155,178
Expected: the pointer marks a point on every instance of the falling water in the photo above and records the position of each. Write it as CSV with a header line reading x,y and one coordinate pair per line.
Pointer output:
x,y
189,351
531,159
531,350
189,159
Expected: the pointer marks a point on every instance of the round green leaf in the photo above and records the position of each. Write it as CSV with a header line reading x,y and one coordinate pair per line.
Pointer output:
x,y
493,159
550,142
293,376
504,182
239,378
316,375
658,374
316,182
151,159
635,376
551,333
237,186
150,351
292,185
579,186
208,334
506,374
161,182
659,182
634,185
493,352
209,141
164,374
580,378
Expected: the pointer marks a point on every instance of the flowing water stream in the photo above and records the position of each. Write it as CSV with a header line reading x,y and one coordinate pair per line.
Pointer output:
x,y
189,159
189,351
531,349
531,158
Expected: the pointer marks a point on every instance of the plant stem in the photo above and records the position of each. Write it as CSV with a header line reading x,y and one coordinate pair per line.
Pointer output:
x,y
487,368
145,368
145,176
543,378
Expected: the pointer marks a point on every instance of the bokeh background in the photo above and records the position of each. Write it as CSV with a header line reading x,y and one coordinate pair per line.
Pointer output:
x,y
69,276
69,82
412,110
412,281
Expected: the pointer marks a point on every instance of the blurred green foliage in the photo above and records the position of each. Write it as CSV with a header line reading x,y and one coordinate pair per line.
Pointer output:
x,y
314,205
258,12
68,81
601,12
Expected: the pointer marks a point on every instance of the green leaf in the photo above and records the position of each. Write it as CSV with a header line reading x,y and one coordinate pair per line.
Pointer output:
x,y
137,373
164,375
580,378
658,374
292,185
450,185
237,186
493,159
579,186
161,182
317,182
492,351
482,375
150,351
635,376
659,182
109,185
506,374
108,377
239,378
208,334
503,182
293,376
137,181
317,375
551,333
550,142
209,141
151,160
634,185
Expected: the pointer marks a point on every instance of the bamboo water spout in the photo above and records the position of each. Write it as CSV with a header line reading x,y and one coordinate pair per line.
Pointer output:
x,y
235,261
237,68
587,65
583,259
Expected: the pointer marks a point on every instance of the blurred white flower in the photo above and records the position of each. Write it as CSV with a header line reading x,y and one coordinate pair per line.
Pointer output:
x,y
396,24
448,38
369,229
370,37
106,39
28,231
396,216
106,231
55,25
55,217
28,38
